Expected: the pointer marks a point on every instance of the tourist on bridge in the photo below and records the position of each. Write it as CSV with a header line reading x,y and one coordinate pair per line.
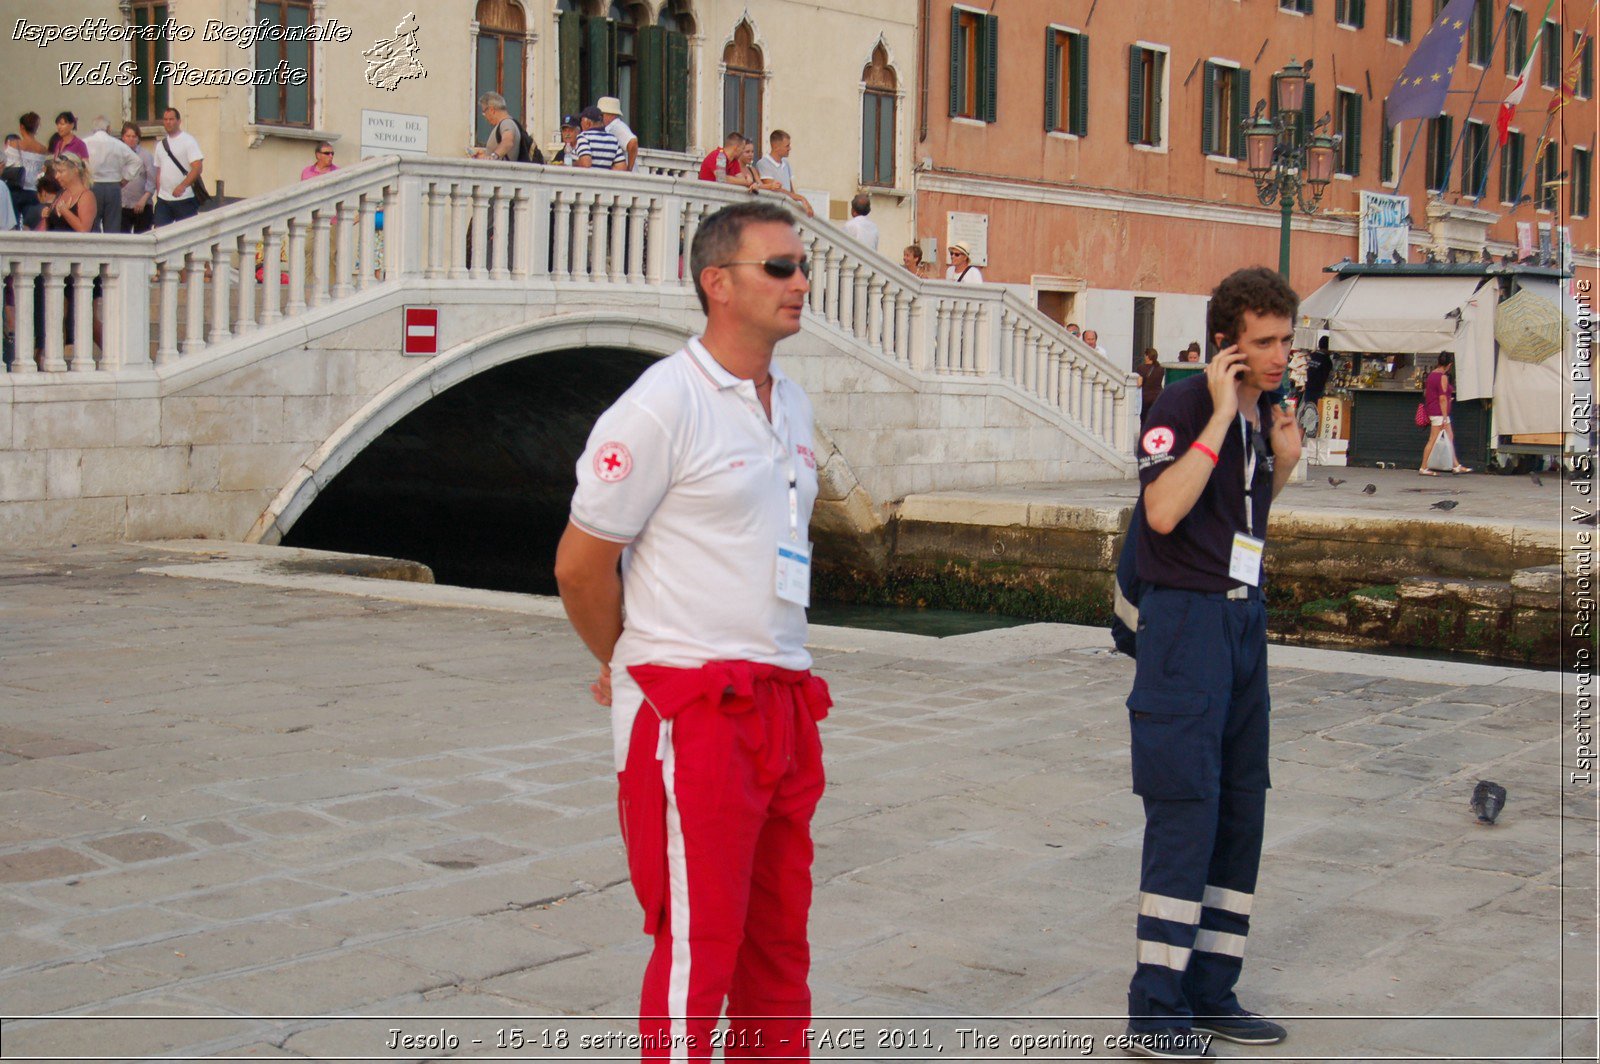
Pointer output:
x,y
1214,453
700,480
65,139
611,111
567,154
112,167
1151,378
775,172
911,259
860,227
595,147
722,164
181,160
139,195
961,268
507,139
33,156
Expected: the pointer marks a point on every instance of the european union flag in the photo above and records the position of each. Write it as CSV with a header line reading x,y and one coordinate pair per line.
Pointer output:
x,y
1420,90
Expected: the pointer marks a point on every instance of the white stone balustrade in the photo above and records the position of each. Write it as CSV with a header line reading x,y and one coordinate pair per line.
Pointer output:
x,y
187,292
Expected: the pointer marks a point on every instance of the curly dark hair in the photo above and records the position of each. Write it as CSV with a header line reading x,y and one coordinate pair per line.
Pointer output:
x,y
718,237
1255,289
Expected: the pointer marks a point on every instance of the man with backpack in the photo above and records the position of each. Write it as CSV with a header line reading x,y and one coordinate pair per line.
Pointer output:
x,y
507,139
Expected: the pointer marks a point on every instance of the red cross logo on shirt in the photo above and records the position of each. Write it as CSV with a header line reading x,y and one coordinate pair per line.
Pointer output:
x,y
1158,440
612,462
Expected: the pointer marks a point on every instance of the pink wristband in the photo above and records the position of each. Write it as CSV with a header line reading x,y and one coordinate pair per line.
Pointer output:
x,y
1208,452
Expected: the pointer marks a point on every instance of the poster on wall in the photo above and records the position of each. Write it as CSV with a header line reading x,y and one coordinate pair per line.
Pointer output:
x,y
1524,240
1385,227
971,230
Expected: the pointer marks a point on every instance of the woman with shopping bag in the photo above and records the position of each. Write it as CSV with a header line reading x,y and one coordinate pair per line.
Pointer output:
x,y
1438,396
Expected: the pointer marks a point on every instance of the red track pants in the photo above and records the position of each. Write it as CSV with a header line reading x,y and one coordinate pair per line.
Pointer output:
x,y
723,773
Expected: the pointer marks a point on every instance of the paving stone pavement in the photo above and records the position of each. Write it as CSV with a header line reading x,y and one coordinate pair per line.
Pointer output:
x,y
279,815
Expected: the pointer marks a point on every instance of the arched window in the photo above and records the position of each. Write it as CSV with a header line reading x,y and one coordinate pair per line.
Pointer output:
x,y
619,53
502,58
743,73
878,105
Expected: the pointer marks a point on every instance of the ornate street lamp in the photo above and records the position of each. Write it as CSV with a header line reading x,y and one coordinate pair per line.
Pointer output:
x,y
1291,165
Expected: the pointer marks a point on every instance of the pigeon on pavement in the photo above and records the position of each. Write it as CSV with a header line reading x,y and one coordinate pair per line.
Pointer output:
x,y
1537,482
1444,504
1487,801
1370,489
1335,481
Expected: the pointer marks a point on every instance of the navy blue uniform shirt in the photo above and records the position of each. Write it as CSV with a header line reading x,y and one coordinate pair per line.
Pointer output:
x,y
1195,555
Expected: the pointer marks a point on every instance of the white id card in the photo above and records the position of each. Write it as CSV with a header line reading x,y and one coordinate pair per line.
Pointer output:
x,y
1245,565
794,573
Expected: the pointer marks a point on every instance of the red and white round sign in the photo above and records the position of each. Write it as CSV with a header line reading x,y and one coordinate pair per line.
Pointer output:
x,y
1158,440
612,462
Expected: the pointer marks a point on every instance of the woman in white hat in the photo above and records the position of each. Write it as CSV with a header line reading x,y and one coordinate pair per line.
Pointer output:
x,y
961,267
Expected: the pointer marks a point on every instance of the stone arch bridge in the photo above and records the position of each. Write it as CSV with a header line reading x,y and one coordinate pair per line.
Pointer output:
x,y
204,393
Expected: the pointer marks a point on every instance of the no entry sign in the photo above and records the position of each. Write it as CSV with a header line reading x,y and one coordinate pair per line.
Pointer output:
x,y
422,331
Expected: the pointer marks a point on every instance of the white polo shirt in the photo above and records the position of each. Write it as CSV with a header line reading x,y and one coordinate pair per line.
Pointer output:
x,y
686,469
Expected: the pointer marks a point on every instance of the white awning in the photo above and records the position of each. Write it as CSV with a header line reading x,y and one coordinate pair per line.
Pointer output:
x,y
1547,396
1379,315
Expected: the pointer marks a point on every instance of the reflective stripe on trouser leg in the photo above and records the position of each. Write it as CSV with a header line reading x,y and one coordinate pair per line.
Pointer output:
x,y
1177,848
721,813
1229,896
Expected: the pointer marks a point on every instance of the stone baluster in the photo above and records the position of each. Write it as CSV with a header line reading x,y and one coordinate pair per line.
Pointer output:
x,y
638,219
245,298
347,230
51,329
319,259
218,331
617,224
194,292
438,233
112,341
942,338
82,280
599,236
691,226
583,246
500,249
23,272
563,234
297,266
398,239
368,273
167,334
899,349
481,239
813,252
271,275
532,231
460,228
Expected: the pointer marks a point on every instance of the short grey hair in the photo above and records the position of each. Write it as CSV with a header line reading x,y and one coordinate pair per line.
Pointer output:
x,y
492,99
717,240
101,123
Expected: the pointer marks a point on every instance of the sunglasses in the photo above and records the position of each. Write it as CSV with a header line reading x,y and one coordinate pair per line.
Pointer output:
x,y
782,269
324,153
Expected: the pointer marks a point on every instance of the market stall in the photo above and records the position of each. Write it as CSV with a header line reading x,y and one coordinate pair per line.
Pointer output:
x,y
1386,325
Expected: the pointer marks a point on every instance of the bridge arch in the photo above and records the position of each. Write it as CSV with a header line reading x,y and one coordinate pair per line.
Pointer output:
x,y
465,463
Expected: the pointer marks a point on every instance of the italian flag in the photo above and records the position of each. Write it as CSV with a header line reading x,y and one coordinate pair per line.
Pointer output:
x,y
1502,121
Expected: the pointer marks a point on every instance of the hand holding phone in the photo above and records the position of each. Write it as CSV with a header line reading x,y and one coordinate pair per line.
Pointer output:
x,y
1222,379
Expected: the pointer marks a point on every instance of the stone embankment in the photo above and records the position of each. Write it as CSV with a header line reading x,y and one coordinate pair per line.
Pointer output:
x,y
1347,569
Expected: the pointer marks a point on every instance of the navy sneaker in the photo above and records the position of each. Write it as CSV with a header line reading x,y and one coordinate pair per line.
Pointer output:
x,y
1171,1043
1245,1028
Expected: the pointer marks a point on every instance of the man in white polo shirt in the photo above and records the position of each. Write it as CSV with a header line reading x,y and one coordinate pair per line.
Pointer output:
x,y
700,482
611,111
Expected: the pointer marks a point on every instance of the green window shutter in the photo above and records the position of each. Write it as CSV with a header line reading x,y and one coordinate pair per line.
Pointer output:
x,y
1135,93
569,45
1308,111
1208,109
1155,102
677,91
1405,19
652,119
1353,134
991,67
1052,81
599,59
1080,84
958,76
1241,109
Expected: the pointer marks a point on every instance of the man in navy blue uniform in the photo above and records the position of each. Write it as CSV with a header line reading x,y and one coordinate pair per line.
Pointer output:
x,y
1215,452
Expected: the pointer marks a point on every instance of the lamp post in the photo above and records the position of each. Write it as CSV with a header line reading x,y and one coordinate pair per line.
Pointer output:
x,y
1291,165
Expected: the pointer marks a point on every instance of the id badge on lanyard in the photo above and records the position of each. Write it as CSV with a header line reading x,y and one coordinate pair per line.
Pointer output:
x,y
1244,565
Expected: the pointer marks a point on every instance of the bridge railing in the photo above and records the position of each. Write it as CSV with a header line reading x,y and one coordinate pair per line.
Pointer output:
x,y
86,303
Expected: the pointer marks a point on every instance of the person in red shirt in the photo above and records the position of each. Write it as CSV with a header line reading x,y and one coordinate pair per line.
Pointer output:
x,y
723,165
